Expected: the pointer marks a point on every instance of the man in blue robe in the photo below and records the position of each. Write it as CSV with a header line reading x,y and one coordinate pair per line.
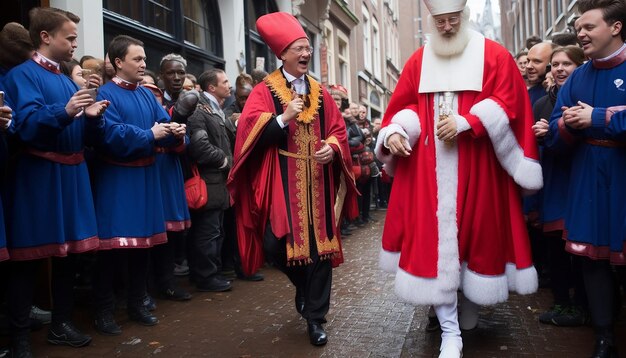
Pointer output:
x,y
127,187
51,211
590,119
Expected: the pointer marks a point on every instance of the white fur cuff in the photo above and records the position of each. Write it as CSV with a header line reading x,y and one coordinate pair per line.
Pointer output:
x,y
410,122
388,261
461,123
525,172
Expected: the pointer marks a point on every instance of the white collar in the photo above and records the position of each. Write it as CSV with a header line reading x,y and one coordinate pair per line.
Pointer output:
x,y
213,100
613,54
58,65
290,78
463,72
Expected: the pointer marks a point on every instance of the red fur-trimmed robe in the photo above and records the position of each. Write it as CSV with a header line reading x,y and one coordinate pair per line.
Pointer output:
x,y
256,181
455,218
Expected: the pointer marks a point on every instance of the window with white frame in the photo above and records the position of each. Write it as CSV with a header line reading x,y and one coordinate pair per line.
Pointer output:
x,y
377,52
367,46
343,54
330,51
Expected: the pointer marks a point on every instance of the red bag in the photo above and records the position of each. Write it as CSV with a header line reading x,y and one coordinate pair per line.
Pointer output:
x,y
195,190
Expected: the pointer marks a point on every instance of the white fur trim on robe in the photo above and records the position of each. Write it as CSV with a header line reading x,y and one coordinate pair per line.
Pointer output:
x,y
407,124
489,290
388,261
443,288
525,172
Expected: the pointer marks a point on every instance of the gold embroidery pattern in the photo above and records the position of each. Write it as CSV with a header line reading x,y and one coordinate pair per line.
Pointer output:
x,y
276,82
301,140
258,127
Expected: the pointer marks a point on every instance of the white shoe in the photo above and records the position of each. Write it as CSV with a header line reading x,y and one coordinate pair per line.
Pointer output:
x,y
468,314
451,348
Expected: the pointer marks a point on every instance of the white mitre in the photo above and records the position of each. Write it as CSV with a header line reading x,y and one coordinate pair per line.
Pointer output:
x,y
438,7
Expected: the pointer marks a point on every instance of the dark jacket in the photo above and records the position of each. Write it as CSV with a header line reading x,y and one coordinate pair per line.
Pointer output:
x,y
208,146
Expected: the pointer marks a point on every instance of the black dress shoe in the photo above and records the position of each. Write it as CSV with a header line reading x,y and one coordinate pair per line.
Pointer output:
x,y
254,277
176,294
345,232
433,324
317,335
214,284
149,302
299,304
604,349
142,316
65,334
105,324
20,348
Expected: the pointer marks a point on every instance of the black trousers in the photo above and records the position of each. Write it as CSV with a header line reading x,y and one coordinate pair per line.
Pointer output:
x,y
230,249
602,294
565,272
312,281
163,258
22,277
103,288
206,237
365,188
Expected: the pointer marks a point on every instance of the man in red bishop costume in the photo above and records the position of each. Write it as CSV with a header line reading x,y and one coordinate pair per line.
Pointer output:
x,y
291,174
457,136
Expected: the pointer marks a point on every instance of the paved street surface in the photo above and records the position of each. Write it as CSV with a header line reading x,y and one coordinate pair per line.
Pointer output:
x,y
258,319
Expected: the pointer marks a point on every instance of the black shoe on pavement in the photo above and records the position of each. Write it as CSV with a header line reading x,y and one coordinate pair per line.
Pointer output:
x,y
254,277
299,304
65,334
228,275
571,316
142,316
5,352
20,348
105,324
604,349
554,311
176,294
433,324
214,284
345,232
317,334
149,302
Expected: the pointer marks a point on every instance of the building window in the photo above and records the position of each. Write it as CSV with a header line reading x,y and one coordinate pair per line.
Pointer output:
x,y
257,52
367,46
376,52
329,37
314,63
158,14
343,55
198,29
191,28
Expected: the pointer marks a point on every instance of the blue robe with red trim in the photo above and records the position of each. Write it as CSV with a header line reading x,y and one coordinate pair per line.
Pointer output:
x,y
595,218
50,209
127,186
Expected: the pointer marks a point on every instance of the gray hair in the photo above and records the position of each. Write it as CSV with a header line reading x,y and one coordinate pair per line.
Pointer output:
x,y
173,57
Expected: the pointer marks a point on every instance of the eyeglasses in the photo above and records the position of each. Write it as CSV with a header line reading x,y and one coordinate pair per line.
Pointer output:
x,y
454,20
302,49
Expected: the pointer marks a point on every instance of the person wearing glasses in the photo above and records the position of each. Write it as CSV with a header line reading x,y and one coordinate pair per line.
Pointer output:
x,y
291,174
457,136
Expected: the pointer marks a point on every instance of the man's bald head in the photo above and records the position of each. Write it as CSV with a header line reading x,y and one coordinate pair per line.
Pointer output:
x,y
538,59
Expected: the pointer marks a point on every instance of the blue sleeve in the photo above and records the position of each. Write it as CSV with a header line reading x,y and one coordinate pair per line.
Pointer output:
x,y
34,121
560,136
617,125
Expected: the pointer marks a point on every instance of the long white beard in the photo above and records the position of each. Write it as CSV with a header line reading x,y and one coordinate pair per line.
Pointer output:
x,y
449,46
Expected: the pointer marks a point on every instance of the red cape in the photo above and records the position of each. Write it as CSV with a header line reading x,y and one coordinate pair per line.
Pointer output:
x,y
256,185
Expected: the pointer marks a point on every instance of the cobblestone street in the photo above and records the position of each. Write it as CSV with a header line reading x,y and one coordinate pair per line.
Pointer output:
x,y
258,319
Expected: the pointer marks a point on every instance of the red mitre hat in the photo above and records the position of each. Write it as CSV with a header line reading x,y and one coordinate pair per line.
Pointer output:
x,y
279,30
